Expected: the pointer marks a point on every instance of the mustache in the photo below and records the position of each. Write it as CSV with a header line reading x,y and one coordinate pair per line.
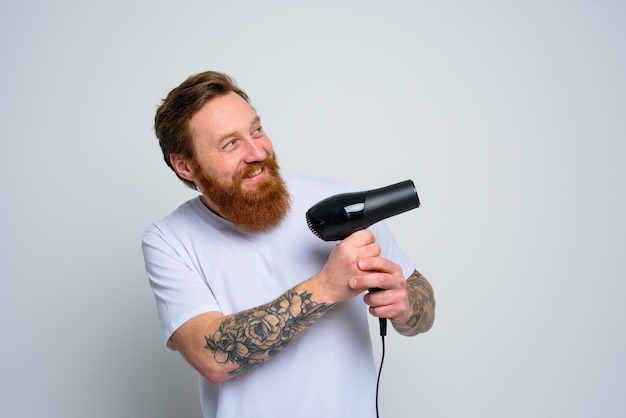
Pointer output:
x,y
269,164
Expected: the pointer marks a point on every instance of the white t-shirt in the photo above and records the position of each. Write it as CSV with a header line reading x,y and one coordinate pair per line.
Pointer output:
x,y
198,262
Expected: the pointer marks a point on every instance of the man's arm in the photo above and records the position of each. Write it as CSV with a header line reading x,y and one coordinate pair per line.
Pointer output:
x,y
223,346
420,306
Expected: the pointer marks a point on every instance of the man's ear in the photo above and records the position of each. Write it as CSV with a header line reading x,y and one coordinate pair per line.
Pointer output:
x,y
182,166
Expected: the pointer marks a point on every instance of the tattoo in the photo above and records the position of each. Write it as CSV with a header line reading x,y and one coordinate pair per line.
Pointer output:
x,y
422,303
250,338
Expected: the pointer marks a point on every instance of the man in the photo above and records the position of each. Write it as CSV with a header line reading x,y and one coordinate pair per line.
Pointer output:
x,y
265,311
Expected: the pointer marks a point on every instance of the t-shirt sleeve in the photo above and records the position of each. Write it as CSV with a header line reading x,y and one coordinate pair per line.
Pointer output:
x,y
390,248
180,292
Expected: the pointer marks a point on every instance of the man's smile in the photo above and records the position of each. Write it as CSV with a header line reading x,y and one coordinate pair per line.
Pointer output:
x,y
255,172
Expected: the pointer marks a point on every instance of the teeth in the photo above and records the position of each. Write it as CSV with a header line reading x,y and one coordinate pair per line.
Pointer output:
x,y
255,173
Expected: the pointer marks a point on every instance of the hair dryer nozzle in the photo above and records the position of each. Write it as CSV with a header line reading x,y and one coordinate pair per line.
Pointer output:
x,y
338,216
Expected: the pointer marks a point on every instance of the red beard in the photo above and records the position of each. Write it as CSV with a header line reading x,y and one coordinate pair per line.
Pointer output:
x,y
254,211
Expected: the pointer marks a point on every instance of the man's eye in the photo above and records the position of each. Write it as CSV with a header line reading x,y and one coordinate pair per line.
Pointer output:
x,y
257,132
231,143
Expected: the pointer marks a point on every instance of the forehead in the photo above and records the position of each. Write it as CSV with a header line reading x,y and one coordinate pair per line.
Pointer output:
x,y
221,116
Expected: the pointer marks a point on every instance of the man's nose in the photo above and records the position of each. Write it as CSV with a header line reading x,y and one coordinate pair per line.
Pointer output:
x,y
255,150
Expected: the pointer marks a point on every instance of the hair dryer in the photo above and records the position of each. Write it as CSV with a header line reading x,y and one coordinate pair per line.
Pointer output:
x,y
338,216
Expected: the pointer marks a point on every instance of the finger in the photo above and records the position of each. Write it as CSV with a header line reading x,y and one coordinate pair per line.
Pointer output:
x,y
380,264
361,238
376,279
386,311
370,280
387,304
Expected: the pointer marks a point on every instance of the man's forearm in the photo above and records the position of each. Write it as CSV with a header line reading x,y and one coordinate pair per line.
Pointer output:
x,y
247,339
421,306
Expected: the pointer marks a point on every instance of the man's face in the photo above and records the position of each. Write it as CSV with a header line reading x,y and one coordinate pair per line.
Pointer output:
x,y
234,165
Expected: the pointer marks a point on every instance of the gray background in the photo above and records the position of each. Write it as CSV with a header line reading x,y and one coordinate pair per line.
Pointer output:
x,y
509,117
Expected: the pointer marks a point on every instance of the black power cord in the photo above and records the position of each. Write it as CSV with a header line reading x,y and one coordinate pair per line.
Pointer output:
x,y
383,332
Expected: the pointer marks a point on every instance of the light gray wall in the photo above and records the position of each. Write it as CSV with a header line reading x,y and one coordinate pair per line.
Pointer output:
x,y
509,117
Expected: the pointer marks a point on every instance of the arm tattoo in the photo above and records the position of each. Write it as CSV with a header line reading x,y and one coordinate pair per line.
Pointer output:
x,y
421,303
250,338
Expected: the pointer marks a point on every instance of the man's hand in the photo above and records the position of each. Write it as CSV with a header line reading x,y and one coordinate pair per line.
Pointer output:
x,y
333,281
408,303
390,299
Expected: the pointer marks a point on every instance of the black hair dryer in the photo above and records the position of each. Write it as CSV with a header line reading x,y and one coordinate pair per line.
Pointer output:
x,y
338,216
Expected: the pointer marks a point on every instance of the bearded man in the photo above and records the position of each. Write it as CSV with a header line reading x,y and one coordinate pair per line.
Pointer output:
x,y
266,312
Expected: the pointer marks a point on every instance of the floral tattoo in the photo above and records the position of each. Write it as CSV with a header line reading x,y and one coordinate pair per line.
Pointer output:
x,y
248,339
